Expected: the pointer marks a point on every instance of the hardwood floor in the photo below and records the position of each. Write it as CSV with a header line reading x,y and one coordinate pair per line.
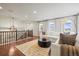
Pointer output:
x,y
10,50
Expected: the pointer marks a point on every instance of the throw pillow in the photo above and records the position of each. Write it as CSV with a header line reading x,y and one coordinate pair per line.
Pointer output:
x,y
67,39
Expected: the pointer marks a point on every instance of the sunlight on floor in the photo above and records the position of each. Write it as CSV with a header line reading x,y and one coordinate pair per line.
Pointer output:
x,y
11,51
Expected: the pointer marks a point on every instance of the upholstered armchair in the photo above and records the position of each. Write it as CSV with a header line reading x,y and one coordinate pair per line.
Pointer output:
x,y
70,49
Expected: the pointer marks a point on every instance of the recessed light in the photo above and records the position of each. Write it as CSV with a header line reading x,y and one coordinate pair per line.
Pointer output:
x,y
34,12
1,7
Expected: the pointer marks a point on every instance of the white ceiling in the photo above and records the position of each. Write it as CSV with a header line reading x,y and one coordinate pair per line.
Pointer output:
x,y
44,10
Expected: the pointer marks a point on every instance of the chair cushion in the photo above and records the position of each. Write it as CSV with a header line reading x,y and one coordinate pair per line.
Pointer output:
x,y
67,39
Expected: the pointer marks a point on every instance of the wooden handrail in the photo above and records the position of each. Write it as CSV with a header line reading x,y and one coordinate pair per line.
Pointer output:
x,y
11,31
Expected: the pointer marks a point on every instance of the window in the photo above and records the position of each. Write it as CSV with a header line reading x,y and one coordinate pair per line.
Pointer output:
x,y
68,26
51,26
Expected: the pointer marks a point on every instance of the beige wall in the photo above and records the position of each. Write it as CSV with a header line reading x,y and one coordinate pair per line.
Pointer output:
x,y
7,23
59,24
35,28
23,25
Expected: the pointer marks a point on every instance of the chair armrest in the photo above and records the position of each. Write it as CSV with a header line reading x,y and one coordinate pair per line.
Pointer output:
x,y
57,42
55,49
